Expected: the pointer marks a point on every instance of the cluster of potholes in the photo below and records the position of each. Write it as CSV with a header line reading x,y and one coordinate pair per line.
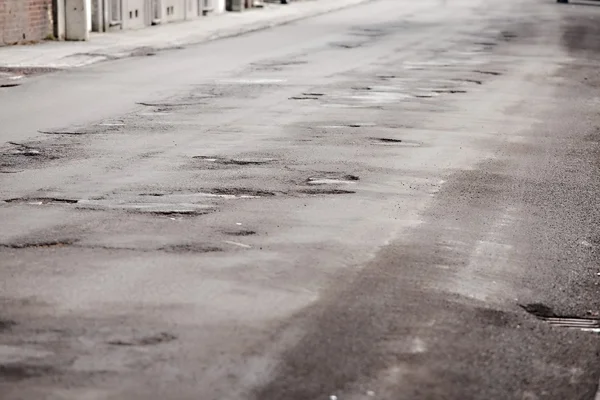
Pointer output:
x,y
18,156
396,89
186,203
181,248
45,364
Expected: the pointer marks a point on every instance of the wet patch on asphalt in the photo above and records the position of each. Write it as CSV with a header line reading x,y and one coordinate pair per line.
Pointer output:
x,y
15,372
7,324
497,318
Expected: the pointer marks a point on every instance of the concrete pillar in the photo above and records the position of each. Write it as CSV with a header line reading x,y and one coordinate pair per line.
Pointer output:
x,y
77,20
88,15
219,6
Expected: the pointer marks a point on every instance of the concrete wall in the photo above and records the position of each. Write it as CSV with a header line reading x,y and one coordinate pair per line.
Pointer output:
x,y
25,20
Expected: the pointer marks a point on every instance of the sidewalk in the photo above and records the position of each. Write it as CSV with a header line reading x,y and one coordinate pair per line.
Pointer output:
x,y
115,45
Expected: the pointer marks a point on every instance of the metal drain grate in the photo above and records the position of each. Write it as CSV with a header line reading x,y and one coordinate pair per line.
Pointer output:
x,y
583,324
546,314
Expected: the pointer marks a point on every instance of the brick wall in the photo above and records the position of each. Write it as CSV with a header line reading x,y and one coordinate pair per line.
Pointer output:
x,y
25,20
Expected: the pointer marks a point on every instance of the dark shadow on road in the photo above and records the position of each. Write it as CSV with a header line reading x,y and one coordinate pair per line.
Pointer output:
x,y
578,3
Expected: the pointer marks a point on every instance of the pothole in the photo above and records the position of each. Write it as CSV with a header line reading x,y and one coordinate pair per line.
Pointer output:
x,y
35,154
547,314
493,73
475,81
41,200
27,71
150,195
256,81
317,191
450,91
350,125
40,245
304,98
242,192
395,142
65,132
236,161
388,140
332,179
176,213
360,124
151,340
276,65
143,52
165,209
23,150
191,248
380,97
240,233
169,105
342,45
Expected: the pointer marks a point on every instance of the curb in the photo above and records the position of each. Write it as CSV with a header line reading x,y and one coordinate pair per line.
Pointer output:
x,y
235,33
99,57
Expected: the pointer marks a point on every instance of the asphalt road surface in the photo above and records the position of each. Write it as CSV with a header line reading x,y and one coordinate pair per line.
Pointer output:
x,y
386,202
